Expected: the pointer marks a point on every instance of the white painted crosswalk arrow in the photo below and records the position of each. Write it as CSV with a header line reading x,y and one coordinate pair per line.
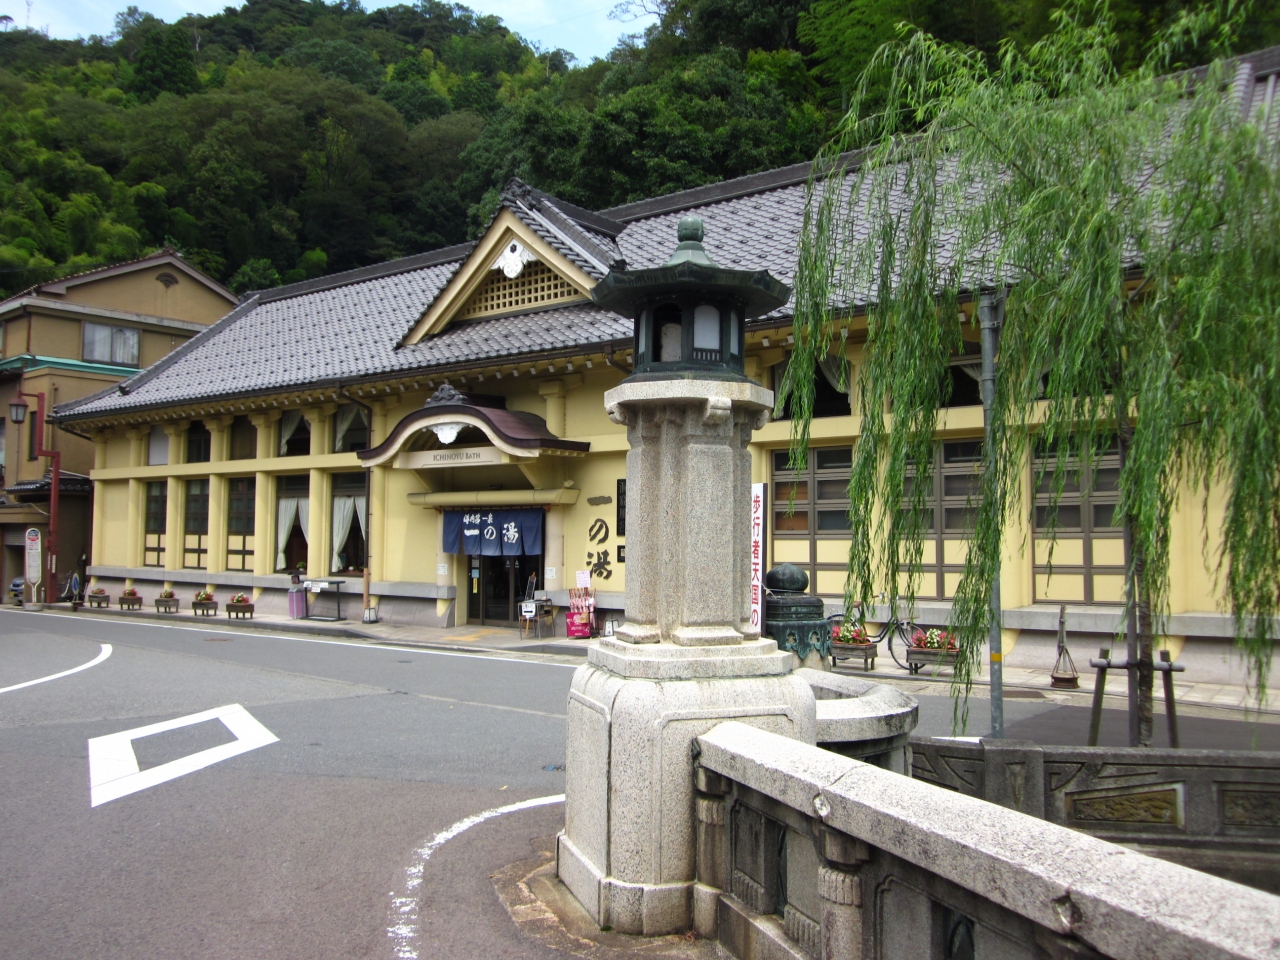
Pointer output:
x,y
113,766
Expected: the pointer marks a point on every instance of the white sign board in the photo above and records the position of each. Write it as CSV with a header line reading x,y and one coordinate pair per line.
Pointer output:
x,y
460,457
34,556
757,555
584,578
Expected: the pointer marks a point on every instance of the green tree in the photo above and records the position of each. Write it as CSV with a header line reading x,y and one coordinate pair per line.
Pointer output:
x,y
1047,179
257,274
166,64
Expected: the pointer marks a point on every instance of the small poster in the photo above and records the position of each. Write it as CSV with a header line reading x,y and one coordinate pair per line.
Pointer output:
x,y
33,556
757,554
584,578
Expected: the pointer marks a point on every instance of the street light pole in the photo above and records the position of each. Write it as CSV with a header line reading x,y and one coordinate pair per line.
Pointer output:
x,y
991,317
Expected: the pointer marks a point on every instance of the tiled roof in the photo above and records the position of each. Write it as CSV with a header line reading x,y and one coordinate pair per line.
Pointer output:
x,y
345,327
580,237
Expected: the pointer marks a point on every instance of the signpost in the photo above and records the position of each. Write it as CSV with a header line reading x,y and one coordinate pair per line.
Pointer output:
x,y
35,568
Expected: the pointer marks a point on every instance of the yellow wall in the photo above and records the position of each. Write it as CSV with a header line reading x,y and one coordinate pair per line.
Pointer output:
x,y
410,533
140,292
112,548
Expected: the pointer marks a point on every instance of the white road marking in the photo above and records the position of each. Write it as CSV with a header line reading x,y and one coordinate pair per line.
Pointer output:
x,y
371,645
406,921
113,766
105,652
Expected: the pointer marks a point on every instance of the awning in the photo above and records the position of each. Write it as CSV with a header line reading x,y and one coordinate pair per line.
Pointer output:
x,y
493,533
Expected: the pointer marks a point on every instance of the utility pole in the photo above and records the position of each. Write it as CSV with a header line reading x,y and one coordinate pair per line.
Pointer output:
x,y
991,318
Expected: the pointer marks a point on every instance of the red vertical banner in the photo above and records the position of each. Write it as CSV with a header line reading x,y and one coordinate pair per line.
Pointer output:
x,y
757,555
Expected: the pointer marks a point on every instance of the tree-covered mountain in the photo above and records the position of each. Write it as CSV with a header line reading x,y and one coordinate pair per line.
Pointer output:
x,y
285,139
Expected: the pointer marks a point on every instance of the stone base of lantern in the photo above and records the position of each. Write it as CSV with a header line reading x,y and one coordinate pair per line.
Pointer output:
x,y
628,852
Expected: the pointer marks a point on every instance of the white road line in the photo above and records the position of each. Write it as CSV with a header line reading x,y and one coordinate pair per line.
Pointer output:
x,y
113,766
371,645
405,920
106,652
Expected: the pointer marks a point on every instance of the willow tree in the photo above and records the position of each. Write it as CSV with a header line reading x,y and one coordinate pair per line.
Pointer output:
x,y
1130,226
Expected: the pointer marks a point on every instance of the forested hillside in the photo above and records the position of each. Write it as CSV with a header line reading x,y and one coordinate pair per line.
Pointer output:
x,y
286,139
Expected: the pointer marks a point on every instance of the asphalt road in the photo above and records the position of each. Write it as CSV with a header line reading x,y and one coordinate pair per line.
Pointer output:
x,y
306,847
327,837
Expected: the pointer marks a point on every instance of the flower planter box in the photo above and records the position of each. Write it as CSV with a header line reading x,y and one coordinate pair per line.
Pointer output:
x,y
97,600
239,610
130,603
919,657
205,608
166,604
854,651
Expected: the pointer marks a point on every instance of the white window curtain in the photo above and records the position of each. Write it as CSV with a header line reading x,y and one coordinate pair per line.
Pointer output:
x,y
836,371
362,514
288,427
304,517
342,422
287,513
344,509
157,447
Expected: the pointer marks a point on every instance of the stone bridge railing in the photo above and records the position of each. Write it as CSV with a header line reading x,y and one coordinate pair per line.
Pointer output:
x,y
803,853
1215,810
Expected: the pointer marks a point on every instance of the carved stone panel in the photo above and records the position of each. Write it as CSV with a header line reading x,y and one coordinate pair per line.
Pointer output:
x,y
1159,803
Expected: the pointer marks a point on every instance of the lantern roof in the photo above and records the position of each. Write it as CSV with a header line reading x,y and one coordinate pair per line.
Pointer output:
x,y
690,273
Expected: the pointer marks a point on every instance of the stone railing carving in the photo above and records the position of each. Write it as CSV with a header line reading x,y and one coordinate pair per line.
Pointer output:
x,y
803,853
1212,809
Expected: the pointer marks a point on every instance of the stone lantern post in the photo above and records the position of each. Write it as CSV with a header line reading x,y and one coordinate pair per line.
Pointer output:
x,y
686,658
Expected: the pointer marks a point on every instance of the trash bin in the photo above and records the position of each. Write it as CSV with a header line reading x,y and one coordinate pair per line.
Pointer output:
x,y
298,603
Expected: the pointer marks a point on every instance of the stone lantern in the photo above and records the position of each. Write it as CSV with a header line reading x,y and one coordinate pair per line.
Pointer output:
x,y
690,315
687,657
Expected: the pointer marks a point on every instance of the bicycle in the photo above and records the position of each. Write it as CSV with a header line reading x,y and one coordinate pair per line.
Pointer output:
x,y
896,631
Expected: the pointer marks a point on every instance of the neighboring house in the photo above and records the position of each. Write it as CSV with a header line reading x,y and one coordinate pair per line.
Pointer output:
x,y
316,428
69,339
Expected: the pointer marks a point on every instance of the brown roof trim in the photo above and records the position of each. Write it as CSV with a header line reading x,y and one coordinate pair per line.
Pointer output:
x,y
525,431
166,256
724,190
377,271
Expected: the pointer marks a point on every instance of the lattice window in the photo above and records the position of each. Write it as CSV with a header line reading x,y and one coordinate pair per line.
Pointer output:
x,y
537,285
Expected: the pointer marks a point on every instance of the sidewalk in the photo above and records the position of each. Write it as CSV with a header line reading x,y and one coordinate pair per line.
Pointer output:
x,y
1213,679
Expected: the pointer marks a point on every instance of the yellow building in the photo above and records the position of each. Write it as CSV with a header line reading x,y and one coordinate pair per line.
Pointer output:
x,y
71,338
406,415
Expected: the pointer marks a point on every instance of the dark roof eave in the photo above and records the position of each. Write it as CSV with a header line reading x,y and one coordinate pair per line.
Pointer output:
x,y
333,383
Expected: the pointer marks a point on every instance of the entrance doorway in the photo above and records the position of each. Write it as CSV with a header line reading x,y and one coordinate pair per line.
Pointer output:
x,y
496,585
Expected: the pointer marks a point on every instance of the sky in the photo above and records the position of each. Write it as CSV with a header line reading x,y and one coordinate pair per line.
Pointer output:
x,y
582,27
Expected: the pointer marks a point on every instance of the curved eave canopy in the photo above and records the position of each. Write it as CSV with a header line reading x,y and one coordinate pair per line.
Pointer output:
x,y
758,291
514,433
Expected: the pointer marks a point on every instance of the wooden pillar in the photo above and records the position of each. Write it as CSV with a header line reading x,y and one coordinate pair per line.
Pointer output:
x,y
99,496
378,477
264,507
318,523
215,560
175,533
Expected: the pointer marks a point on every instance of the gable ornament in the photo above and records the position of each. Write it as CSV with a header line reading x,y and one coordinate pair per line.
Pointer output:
x,y
512,259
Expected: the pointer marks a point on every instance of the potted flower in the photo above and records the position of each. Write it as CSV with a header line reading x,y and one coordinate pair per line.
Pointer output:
x,y
97,597
849,641
204,604
240,606
934,638
167,602
129,599
851,632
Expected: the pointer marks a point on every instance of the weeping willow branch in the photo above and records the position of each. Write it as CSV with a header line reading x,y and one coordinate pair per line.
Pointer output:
x,y
1134,221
